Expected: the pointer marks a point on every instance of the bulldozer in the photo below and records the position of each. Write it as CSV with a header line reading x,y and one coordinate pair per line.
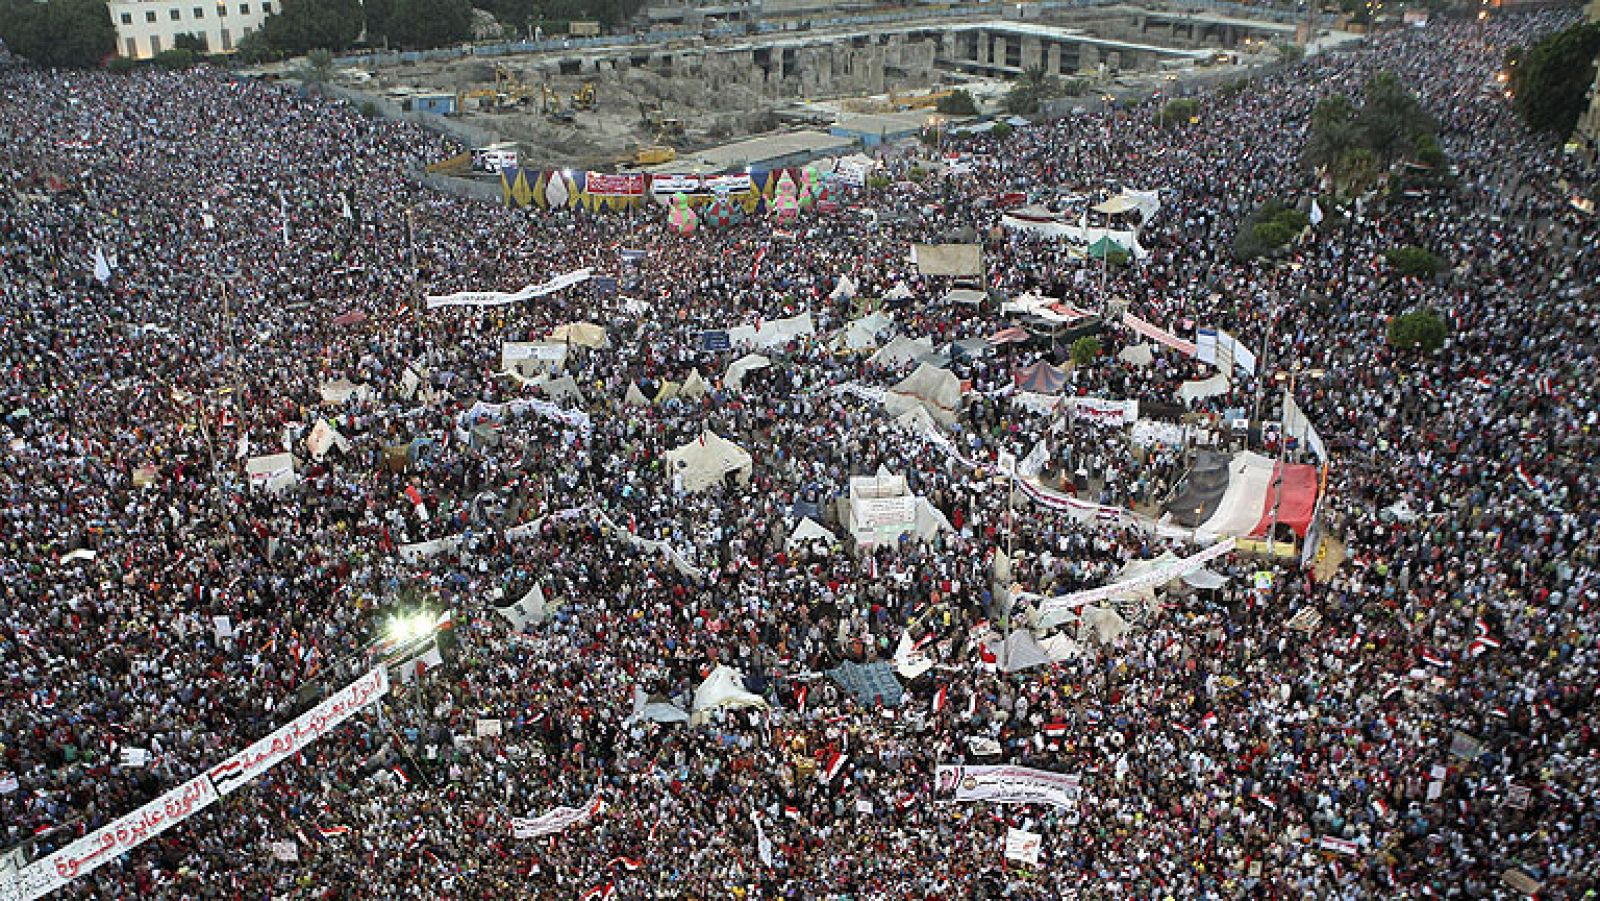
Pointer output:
x,y
654,155
663,125
551,105
583,98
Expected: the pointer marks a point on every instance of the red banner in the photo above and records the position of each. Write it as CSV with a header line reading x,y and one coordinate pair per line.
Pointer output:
x,y
609,185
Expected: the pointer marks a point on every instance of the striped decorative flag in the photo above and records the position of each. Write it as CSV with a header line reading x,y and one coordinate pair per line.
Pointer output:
x,y
599,893
835,763
1434,658
1055,730
400,773
791,812
1482,641
800,697
1209,720
331,831
939,698
627,863
1525,477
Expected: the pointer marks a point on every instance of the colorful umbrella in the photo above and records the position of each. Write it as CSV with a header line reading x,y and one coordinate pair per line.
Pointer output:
x,y
682,217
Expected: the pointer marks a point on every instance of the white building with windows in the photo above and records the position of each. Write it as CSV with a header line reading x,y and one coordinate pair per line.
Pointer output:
x,y
147,27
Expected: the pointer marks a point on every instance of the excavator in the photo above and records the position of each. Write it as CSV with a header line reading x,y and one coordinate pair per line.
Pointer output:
x,y
583,98
552,105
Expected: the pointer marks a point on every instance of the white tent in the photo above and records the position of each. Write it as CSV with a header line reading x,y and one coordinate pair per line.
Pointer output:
x,y
862,333
635,397
667,391
807,532
1136,355
704,461
656,708
1204,579
342,389
694,387
772,333
931,520
899,292
734,377
1103,623
583,334
564,388
1059,647
1019,651
902,350
846,288
273,472
937,390
723,688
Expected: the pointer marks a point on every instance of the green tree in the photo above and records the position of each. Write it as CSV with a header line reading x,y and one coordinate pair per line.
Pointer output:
x,y
254,48
301,25
430,23
1423,329
959,103
1084,350
1333,133
176,58
1550,84
1032,87
1391,117
378,14
1414,261
319,65
1001,130
70,34
194,43
1178,112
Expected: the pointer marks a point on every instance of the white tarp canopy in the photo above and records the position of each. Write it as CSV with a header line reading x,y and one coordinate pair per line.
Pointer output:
x,y
773,332
846,288
532,356
342,389
1103,623
723,688
1204,579
964,295
947,259
931,520
656,708
734,377
936,390
1249,486
273,472
635,397
583,334
899,292
1136,355
1077,234
902,350
704,461
863,333
694,387
1215,385
564,388
1019,651
808,532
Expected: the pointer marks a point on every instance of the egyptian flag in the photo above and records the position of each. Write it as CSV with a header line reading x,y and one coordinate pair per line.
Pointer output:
x,y
755,271
1482,641
1434,658
400,774
792,812
599,893
1209,720
800,697
331,831
627,863
1055,730
833,764
939,699
1525,477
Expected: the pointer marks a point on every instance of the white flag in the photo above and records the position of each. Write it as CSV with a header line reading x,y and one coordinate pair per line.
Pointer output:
x,y
283,211
102,268
1316,212
763,844
285,851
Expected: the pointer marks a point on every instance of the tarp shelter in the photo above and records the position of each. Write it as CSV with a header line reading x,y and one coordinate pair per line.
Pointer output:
x,y
1115,205
902,350
948,259
1136,355
965,296
1040,378
667,391
937,390
271,472
1204,580
342,389
809,531
1102,623
694,387
532,357
704,461
1212,386
635,397
845,288
1019,651
871,683
861,334
1237,497
723,688
656,708
899,292
931,520
773,332
738,369
564,388
1051,226
1105,246
581,334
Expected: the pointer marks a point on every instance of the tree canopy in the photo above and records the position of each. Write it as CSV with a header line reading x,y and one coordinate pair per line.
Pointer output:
x,y
1357,143
429,23
301,25
69,34
1550,85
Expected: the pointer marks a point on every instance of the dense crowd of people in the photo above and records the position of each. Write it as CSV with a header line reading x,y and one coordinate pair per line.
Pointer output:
x,y
190,260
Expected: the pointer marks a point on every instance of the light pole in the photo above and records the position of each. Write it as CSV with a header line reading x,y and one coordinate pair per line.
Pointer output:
x,y
1287,378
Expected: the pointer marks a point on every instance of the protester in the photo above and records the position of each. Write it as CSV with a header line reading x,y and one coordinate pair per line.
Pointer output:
x,y
185,291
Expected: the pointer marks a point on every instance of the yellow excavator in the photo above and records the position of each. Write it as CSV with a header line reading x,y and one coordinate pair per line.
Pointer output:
x,y
551,105
583,98
509,89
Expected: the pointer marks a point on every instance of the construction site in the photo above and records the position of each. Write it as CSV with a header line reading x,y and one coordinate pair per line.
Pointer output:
x,y
640,101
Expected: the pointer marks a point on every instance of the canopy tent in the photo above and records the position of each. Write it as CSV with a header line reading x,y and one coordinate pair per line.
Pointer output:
x,y
1101,623
772,333
967,349
1048,309
1040,378
1294,494
738,369
1011,334
861,334
845,289
724,687
936,390
1116,205
581,334
1051,226
342,389
1202,490
1213,386
902,350
1136,355
871,683
635,397
807,532
965,296
694,387
272,472
704,461
656,708
667,391
1104,247
947,259
899,292
1204,580
564,388
1019,651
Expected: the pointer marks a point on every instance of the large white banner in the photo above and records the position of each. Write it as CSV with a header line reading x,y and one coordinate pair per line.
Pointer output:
x,y
1098,410
499,298
106,844
1005,785
558,820
291,738
1161,575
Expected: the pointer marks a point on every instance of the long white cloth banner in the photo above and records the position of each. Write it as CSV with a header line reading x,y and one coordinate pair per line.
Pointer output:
x,y
499,298
1098,410
106,844
558,820
289,739
1005,785
482,410
1159,576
